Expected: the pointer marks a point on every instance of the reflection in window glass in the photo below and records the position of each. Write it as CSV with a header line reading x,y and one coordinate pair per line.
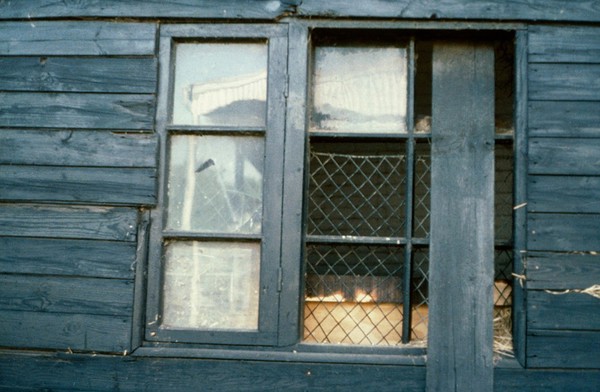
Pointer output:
x,y
359,89
215,184
211,285
220,84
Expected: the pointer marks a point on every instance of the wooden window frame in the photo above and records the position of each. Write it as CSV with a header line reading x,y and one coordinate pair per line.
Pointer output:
x,y
283,339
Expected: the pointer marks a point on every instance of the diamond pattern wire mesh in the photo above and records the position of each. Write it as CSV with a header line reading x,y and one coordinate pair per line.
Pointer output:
x,y
353,294
420,295
422,189
358,194
503,193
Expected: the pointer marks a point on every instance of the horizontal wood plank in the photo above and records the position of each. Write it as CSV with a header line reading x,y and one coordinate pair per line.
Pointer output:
x,y
62,371
561,156
74,110
82,74
47,38
562,271
66,295
77,148
65,331
564,82
564,44
563,119
210,9
453,9
556,310
564,194
102,223
563,349
563,232
103,259
81,185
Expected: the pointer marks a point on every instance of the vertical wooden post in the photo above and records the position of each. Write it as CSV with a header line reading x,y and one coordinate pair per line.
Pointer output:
x,y
459,354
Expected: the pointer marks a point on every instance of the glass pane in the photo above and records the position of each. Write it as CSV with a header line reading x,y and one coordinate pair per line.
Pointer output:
x,y
211,285
357,189
353,294
359,89
215,184
220,84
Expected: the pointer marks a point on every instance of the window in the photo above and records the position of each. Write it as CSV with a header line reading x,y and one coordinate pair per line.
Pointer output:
x,y
296,188
217,233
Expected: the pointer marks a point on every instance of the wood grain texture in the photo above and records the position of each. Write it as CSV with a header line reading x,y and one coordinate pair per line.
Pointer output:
x,y
63,371
563,232
103,259
209,9
561,156
566,44
77,110
107,373
560,310
577,349
78,185
564,119
579,194
565,82
562,271
78,74
459,353
77,148
111,297
47,38
63,331
102,223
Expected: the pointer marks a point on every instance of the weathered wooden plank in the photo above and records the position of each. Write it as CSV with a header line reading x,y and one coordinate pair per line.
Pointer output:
x,y
62,371
454,9
564,232
565,82
78,148
545,380
103,223
562,271
562,310
66,295
74,38
564,156
83,185
564,119
64,331
462,208
74,110
103,259
554,44
564,194
81,74
107,373
209,9
563,349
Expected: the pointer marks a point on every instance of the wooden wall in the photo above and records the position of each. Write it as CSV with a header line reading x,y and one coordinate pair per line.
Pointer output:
x,y
563,328
77,162
78,167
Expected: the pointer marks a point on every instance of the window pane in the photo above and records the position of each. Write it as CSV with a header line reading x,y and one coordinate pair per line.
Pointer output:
x,y
220,84
359,89
353,294
357,189
215,184
211,285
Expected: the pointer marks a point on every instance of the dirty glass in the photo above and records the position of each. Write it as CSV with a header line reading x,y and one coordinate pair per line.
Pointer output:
x,y
359,89
211,285
220,84
215,184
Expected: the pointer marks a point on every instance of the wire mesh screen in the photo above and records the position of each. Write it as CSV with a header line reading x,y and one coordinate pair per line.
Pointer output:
x,y
422,189
356,193
503,197
420,295
353,294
